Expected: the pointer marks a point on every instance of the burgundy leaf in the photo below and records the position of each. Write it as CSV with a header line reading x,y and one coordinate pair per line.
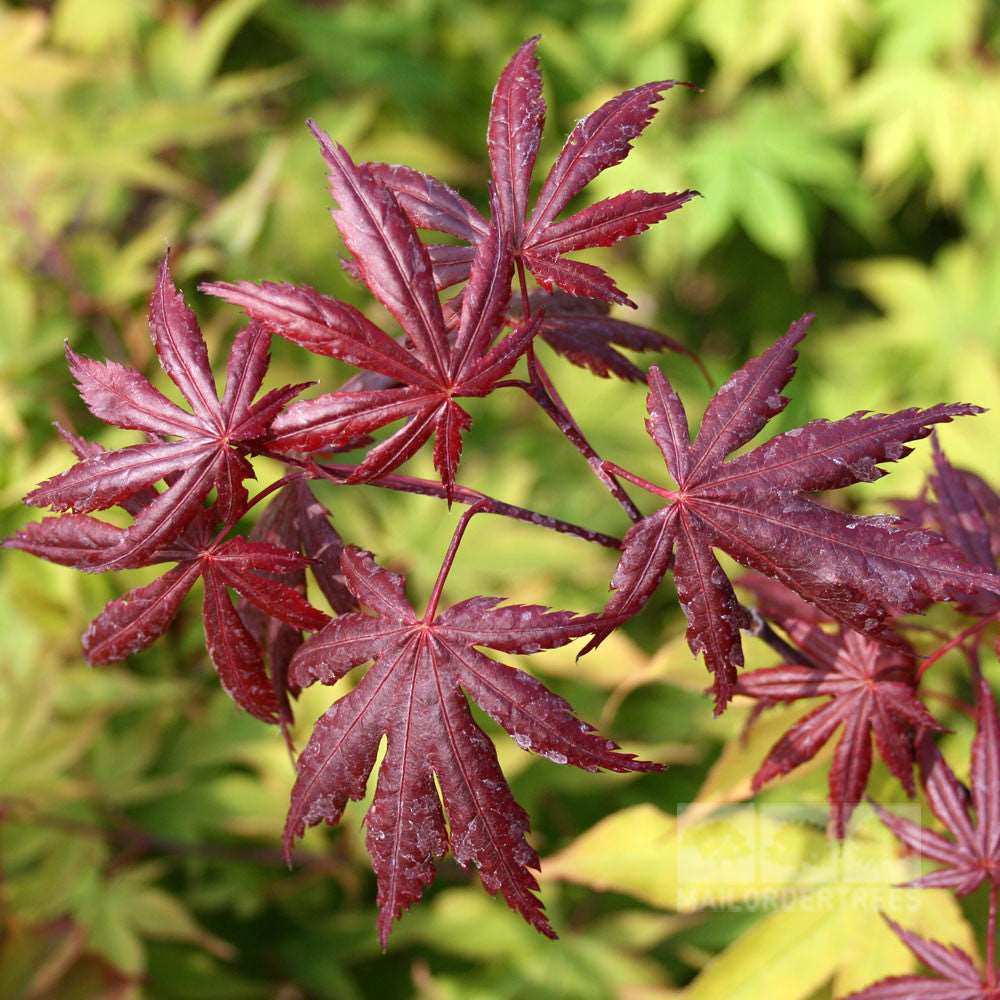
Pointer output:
x,y
960,980
181,347
237,657
582,332
599,141
606,222
873,694
208,452
429,203
124,397
517,116
322,325
576,278
967,512
413,695
393,261
714,615
857,570
429,370
71,540
973,856
265,575
132,622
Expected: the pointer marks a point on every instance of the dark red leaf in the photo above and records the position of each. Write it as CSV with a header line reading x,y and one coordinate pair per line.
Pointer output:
x,y
598,142
873,693
973,856
208,452
514,132
442,364
858,570
960,978
413,695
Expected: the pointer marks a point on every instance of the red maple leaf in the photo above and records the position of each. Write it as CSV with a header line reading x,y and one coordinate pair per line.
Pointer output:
x,y
213,440
857,570
974,855
872,691
295,520
582,332
960,980
413,695
966,510
431,370
538,239
133,621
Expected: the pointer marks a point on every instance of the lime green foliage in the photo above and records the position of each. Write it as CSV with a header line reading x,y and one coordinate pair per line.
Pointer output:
x,y
846,153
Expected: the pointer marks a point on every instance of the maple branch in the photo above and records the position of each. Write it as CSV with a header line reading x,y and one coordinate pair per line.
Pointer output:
x,y
951,644
522,282
544,393
274,487
449,557
338,473
761,629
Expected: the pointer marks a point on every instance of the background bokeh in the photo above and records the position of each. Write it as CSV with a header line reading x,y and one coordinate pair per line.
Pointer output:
x,y
847,155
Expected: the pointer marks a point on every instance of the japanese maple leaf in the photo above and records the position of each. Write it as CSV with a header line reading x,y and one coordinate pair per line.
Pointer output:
x,y
415,695
966,510
212,440
973,856
582,332
295,520
133,621
857,570
538,239
431,370
872,691
960,980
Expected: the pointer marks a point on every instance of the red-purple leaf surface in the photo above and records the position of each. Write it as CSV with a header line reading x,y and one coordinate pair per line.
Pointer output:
x,y
514,132
263,573
430,204
857,570
581,330
415,696
599,141
211,441
434,365
960,980
872,692
966,510
973,855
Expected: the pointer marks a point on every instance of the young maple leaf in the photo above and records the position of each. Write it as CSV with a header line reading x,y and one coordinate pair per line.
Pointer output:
x,y
960,980
974,855
858,570
213,439
872,691
582,332
295,520
431,370
966,510
599,141
413,695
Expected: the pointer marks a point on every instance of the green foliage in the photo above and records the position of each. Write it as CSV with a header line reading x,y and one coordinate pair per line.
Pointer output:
x,y
847,157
